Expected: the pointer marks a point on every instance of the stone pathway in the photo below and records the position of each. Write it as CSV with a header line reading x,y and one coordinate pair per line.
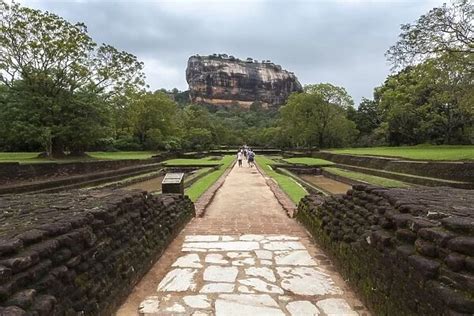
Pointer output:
x,y
244,257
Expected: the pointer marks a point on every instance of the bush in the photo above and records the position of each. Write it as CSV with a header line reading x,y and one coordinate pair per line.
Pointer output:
x,y
128,143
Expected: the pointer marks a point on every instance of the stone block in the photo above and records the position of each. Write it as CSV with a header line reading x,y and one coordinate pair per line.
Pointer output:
x,y
405,235
426,248
31,236
459,224
462,244
455,261
23,299
437,235
427,267
10,246
459,280
12,311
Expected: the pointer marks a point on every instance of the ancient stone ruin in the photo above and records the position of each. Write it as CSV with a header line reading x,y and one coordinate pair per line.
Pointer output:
x,y
81,252
406,251
225,80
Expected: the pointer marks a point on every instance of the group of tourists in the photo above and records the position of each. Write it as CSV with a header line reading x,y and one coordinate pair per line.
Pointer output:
x,y
246,153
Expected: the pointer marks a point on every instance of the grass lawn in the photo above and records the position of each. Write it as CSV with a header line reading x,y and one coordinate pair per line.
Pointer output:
x,y
309,161
201,186
374,180
18,157
420,152
117,155
294,190
202,162
31,157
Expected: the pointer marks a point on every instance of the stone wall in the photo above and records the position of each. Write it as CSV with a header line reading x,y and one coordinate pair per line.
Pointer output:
x,y
15,172
457,171
81,252
406,251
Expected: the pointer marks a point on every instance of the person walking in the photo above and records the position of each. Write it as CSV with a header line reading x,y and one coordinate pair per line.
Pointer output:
x,y
239,158
250,158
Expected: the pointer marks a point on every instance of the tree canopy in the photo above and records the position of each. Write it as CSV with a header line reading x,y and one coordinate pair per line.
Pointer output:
x,y
58,78
448,29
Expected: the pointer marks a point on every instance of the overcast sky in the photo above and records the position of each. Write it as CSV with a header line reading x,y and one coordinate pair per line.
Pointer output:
x,y
336,41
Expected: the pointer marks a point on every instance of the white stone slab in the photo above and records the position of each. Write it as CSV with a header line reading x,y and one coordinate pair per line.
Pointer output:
x,y
243,262
201,313
284,298
251,237
255,299
188,261
227,238
294,258
264,254
223,245
243,254
244,289
176,308
178,280
281,237
302,308
266,262
261,286
216,258
217,288
335,307
306,281
220,274
263,272
196,238
197,301
283,245
246,304
150,305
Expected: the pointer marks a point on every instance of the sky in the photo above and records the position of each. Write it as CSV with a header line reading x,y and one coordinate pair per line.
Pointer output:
x,y
342,42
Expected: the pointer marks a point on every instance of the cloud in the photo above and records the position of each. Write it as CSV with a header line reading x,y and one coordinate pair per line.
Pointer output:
x,y
337,41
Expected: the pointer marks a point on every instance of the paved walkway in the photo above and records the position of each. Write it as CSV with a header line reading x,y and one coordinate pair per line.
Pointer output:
x,y
244,257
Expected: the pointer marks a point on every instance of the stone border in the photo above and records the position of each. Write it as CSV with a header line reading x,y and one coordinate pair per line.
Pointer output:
x,y
282,198
77,181
462,171
206,198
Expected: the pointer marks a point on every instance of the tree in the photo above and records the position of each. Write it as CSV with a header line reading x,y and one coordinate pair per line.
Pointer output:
x,y
444,30
317,117
331,94
368,116
153,119
429,102
58,66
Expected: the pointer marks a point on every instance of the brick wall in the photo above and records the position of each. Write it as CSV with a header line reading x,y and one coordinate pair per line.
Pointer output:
x,y
406,251
81,251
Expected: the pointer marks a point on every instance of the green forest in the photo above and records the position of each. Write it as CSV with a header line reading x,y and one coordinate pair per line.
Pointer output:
x,y
63,93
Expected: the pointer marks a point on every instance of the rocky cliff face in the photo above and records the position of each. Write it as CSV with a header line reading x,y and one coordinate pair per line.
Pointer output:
x,y
224,80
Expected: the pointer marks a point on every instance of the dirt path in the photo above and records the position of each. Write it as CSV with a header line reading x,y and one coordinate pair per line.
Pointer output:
x,y
244,257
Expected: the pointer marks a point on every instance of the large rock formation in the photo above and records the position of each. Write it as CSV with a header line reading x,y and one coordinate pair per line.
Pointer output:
x,y
225,80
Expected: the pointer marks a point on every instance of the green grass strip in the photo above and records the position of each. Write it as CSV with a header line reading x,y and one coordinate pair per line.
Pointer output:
x,y
199,187
119,155
32,157
208,161
374,180
419,152
309,161
293,189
